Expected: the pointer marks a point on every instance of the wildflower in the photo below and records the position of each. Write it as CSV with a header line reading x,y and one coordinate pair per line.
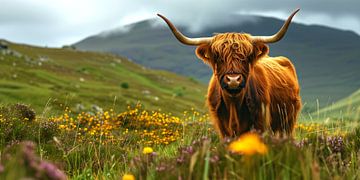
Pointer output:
x,y
154,127
1,118
180,159
160,168
51,171
248,144
214,159
147,150
128,177
35,167
335,143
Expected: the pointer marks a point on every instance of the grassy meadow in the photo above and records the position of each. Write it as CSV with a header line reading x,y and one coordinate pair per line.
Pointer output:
x,y
142,144
88,81
68,114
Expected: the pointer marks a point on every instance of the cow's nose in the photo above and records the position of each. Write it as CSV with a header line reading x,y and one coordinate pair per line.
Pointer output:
x,y
233,81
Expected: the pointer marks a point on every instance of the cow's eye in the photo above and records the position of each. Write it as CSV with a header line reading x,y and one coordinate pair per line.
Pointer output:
x,y
215,57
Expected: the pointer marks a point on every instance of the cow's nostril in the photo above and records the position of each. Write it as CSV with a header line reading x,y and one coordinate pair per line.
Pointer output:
x,y
227,78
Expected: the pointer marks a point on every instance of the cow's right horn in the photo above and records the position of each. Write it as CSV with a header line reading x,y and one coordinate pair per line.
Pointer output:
x,y
279,35
184,39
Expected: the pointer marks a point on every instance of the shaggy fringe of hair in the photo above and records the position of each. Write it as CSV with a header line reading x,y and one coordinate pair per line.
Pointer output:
x,y
271,94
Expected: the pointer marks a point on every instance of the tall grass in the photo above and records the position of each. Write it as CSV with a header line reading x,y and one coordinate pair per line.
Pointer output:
x,y
319,150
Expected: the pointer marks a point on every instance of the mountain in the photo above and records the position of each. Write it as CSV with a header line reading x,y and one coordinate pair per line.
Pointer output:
x,y
326,59
55,78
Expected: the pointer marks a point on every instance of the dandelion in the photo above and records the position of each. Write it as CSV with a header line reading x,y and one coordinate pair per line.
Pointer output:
x,y
1,118
128,177
147,150
248,144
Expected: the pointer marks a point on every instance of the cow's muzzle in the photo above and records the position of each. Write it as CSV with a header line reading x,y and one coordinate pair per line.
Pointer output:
x,y
233,83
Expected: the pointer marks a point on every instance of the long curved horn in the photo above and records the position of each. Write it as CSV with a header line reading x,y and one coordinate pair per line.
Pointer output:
x,y
279,35
184,39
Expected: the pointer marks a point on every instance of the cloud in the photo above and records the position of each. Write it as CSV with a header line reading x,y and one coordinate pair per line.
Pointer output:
x,y
59,22
199,14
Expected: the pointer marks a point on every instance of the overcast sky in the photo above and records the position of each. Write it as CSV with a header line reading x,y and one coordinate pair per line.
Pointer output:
x,y
59,22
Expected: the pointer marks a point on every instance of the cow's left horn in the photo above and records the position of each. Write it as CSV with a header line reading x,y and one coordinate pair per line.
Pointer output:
x,y
279,35
184,39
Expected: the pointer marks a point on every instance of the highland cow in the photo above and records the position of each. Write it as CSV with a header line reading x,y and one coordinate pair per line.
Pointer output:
x,y
248,89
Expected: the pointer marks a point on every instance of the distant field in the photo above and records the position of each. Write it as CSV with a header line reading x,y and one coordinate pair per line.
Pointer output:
x,y
347,108
66,77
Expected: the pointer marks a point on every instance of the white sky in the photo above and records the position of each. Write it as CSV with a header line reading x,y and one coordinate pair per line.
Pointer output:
x,y
60,22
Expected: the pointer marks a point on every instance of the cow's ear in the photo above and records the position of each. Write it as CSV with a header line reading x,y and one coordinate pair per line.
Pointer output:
x,y
260,50
203,52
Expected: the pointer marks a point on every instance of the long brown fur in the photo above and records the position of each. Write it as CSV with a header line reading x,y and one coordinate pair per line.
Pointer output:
x,y
270,99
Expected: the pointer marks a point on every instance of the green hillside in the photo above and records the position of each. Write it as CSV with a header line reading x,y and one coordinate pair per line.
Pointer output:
x,y
347,108
87,80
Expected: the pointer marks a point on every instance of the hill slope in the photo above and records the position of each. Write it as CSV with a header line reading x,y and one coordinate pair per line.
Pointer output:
x,y
36,75
326,59
347,108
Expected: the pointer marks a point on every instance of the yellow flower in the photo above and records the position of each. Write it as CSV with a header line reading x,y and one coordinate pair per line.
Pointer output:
x,y
128,177
248,144
147,150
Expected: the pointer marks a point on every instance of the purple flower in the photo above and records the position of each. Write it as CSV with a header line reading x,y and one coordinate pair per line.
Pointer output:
x,y
160,168
204,138
300,143
214,159
36,167
52,171
180,159
187,150
335,143
195,142
153,154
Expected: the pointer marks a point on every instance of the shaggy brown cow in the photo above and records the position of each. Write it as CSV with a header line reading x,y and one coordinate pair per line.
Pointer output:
x,y
248,88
